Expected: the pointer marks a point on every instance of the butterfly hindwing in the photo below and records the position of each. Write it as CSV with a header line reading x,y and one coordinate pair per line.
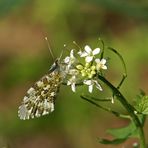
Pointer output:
x,y
39,99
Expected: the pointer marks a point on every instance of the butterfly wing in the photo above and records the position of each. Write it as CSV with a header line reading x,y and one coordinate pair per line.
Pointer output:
x,y
39,99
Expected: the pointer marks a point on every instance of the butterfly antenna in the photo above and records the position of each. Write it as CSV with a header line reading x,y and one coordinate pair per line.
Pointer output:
x,y
49,48
75,43
62,52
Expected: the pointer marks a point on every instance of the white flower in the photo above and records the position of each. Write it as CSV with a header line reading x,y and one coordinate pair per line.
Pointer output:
x,y
101,64
73,72
89,53
91,83
70,59
72,82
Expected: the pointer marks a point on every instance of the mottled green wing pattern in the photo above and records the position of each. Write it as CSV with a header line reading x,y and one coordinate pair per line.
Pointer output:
x,y
39,99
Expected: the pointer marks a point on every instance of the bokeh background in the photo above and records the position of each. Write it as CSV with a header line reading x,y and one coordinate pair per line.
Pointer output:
x,y
24,58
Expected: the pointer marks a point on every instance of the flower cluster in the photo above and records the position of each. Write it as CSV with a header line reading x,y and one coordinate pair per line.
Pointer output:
x,y
84,68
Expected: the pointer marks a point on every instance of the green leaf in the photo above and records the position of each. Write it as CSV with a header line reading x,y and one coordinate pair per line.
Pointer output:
x,y
142,105
124,132
114,141
128,131
140,95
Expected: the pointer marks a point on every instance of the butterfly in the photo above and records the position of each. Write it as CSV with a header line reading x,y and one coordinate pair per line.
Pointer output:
x,y
40,98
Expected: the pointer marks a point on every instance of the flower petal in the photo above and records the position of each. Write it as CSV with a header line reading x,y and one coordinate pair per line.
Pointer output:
x,y
96,51
87,82
83,54
66,60
68,83
98,86
73,87
79,52
104,67
88,49
90,88
103,61
72,53
89,59
97,61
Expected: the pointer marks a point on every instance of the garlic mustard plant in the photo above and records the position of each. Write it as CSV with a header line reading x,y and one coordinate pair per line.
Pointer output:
x,y
88,67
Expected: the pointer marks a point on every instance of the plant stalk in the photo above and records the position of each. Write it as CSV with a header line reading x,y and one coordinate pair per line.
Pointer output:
x,y
129,109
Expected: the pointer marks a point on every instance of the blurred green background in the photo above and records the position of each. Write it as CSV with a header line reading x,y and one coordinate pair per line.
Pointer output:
x,y
24,58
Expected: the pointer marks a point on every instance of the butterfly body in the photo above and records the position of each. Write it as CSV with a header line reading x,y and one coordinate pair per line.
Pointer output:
x,y
40,98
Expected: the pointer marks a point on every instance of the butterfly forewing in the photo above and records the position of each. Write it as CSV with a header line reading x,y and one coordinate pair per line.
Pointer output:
x,y
39,99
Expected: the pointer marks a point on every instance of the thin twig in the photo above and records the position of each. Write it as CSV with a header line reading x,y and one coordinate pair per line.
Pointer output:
x,y
105,109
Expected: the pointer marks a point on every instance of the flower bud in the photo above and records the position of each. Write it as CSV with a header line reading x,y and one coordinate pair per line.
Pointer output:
x,y
84,74
93,67
93,72
80,67
88,70
90,76
87,65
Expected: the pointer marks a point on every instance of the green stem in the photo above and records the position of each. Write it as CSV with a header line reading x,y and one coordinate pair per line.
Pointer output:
x,y
129,109
106,109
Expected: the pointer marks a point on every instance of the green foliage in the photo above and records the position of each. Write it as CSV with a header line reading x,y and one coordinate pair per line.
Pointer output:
x,y
119,134
122,134
142,105
115,141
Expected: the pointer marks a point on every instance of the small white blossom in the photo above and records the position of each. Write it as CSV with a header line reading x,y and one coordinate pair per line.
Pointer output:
x,y
70,59
89,53
101,64
91,83
73,72
72,82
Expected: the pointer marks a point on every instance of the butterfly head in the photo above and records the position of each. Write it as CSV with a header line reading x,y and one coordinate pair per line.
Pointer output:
x,y
55,65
